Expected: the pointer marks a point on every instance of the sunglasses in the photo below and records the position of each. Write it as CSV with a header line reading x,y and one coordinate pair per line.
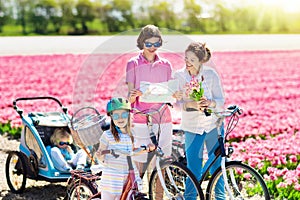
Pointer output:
x,y
63,143
116,116
149,44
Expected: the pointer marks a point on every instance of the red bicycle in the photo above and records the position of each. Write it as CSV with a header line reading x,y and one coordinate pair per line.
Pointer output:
x,y
83,185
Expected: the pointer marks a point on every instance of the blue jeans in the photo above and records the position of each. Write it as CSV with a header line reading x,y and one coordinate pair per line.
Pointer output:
x,y
194,144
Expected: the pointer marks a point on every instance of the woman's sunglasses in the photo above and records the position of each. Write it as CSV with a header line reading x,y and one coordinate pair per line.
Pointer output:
x,y
149,44
63,143
116,116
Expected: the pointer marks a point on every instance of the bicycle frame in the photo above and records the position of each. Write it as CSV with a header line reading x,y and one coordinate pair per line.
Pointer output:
x,y
158,152
130,184
221,152
130,187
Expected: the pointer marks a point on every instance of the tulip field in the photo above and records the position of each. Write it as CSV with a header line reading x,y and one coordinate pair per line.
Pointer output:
x,y
266,84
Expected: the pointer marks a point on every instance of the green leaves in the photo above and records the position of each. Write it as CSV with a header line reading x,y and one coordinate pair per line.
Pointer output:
x,y
15,132
197,94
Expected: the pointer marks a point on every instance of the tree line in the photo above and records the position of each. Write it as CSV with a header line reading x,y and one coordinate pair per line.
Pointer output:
x,y
80,17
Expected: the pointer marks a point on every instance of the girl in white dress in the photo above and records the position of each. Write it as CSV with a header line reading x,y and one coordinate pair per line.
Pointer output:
x,y
118,137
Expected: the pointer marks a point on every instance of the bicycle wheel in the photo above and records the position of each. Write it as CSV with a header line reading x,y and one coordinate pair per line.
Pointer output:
x,y
81,190
244,183
180,183
16,172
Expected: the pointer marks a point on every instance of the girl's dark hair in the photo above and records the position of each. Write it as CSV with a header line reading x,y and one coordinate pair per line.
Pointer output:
x,y
147,32
201,51
115,132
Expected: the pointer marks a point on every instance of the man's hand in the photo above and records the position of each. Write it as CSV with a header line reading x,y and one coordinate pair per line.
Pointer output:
x,y
133,94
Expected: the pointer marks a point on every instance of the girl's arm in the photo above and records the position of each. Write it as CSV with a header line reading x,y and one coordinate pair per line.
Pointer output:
x,y
99,156
104,142
150,147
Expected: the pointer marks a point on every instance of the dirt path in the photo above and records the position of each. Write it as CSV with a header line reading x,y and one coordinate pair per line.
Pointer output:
x,y
34,190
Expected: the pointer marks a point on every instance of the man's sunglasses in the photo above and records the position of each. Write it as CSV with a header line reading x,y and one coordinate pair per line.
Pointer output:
x,y
149,44
116,116
63,143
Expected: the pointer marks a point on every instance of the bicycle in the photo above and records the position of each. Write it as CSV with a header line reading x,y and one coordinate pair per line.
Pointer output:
x,y
240,180
178,146
170,175
83,185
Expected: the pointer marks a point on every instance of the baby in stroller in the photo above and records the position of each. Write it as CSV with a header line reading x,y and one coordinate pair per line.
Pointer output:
x,y
62,155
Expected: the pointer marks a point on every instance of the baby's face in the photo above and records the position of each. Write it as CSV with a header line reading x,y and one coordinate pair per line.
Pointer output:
x,y
63,143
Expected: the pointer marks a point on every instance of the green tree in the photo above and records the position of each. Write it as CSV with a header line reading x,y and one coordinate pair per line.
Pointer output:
x,y
22,13
84,13
43,12
3,14
141,15
161,14
222,17
125,7
193,12
264,21
117,15
245,19
54,14
66,8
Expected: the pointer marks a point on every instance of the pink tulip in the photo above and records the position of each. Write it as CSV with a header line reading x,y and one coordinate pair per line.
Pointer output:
x,y
263,83
297,186
282,185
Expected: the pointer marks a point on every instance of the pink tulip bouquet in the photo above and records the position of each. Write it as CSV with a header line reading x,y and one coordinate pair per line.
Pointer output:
x,y
195,92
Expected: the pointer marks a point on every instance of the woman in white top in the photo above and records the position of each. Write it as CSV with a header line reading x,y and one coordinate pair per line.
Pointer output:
x,y
200,127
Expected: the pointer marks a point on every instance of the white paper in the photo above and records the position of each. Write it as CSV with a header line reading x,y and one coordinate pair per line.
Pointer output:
x,y
158,92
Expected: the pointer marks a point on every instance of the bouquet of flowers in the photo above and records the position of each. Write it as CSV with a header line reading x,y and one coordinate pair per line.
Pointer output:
x,y
195,91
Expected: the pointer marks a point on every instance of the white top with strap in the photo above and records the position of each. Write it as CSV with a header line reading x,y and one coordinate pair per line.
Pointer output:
x,y
196,121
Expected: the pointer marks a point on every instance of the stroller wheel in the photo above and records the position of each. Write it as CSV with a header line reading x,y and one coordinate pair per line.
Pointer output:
x,y
16,172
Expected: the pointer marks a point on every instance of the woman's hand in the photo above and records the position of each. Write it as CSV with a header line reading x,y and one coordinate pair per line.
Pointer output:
x,y
178,95
133,94
200,105
204,103
151,147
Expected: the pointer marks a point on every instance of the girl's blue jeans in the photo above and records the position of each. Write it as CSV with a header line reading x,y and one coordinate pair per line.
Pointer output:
x,y
194,144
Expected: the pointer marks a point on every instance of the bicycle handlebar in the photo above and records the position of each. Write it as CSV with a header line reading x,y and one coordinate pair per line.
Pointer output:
x,y
150,111
115,152
230,111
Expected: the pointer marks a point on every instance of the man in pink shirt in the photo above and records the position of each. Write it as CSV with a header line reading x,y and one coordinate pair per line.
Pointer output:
x,y
150,67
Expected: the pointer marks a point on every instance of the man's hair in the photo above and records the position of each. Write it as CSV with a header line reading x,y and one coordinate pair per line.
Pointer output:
x,y
147,32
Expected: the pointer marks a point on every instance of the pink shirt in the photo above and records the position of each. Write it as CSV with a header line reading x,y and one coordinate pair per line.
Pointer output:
x,y
139,69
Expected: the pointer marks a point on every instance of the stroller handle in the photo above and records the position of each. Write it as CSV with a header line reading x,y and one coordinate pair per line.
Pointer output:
x,y
20,112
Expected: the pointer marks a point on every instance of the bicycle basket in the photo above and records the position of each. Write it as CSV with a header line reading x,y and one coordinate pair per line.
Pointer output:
x,y
86,126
